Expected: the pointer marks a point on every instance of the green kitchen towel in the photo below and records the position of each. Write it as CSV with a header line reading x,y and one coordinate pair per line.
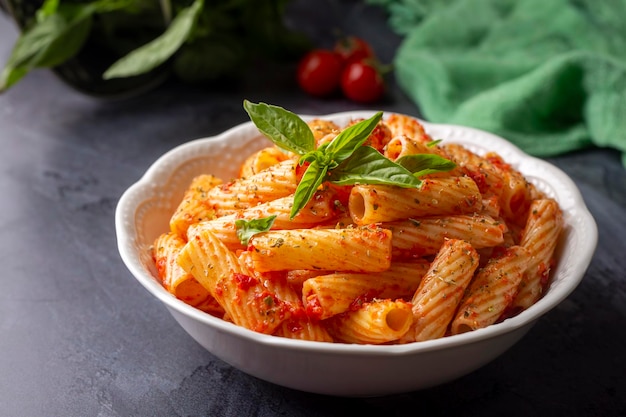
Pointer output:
x,y
548,75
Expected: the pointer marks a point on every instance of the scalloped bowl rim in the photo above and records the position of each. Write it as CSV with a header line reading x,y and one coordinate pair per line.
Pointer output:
x,y
566,191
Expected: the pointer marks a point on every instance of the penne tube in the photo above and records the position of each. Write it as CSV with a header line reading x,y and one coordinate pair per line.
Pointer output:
x,y
486,175
363,249
516,193
176,280
403,145
491,291
327,295
540,237
441,290
424,236
262,160
298,325
244,298
402,125
279,180
376,322
194,206
437,197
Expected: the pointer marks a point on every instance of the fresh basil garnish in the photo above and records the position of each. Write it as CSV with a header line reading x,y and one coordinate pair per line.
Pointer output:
x,y
342,161
424,164
368,166
248,228
287,130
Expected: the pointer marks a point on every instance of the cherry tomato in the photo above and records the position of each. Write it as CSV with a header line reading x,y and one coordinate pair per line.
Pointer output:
x,y
319,72
352,48
362,82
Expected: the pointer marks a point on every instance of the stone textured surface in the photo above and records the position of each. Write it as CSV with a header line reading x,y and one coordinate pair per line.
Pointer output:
x,y
80,337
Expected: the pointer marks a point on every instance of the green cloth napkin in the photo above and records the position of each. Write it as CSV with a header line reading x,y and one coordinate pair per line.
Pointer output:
x,y
548,75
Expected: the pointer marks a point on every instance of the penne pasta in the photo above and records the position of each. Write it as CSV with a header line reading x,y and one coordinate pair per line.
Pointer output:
x,y
244,298
376,322
437,197
491,291
176,280
540,237
424,236
363,249
298,325
403,145
401,125
440,291
262,160
486,175
361,262
327,295
279,180
195,206
515,196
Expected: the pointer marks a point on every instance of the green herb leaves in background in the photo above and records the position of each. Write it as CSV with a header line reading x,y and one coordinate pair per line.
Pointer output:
x,y
196,40
153,54
343,161
58,35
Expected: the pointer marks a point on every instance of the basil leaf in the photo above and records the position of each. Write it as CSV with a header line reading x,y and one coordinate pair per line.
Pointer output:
x,y
286,129
248,228
159,50
351,138
368,166
423,164
311,180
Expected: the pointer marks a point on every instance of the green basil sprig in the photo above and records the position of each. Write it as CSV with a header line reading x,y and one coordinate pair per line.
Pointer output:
x,y
424,164
344,160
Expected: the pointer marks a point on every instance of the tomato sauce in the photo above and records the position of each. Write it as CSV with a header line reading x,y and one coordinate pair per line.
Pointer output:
x,y
244,282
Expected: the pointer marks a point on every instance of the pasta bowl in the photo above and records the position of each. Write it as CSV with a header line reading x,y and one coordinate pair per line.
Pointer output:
x,y
144,210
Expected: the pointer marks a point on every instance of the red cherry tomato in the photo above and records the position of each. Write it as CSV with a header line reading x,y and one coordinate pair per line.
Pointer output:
x,y
352,48
319,72
362,82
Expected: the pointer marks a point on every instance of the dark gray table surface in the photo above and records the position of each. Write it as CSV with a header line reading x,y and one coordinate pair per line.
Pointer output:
x,y
80,337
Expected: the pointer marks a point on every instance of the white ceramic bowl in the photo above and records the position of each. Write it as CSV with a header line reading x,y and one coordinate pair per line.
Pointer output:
x,y
144,210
